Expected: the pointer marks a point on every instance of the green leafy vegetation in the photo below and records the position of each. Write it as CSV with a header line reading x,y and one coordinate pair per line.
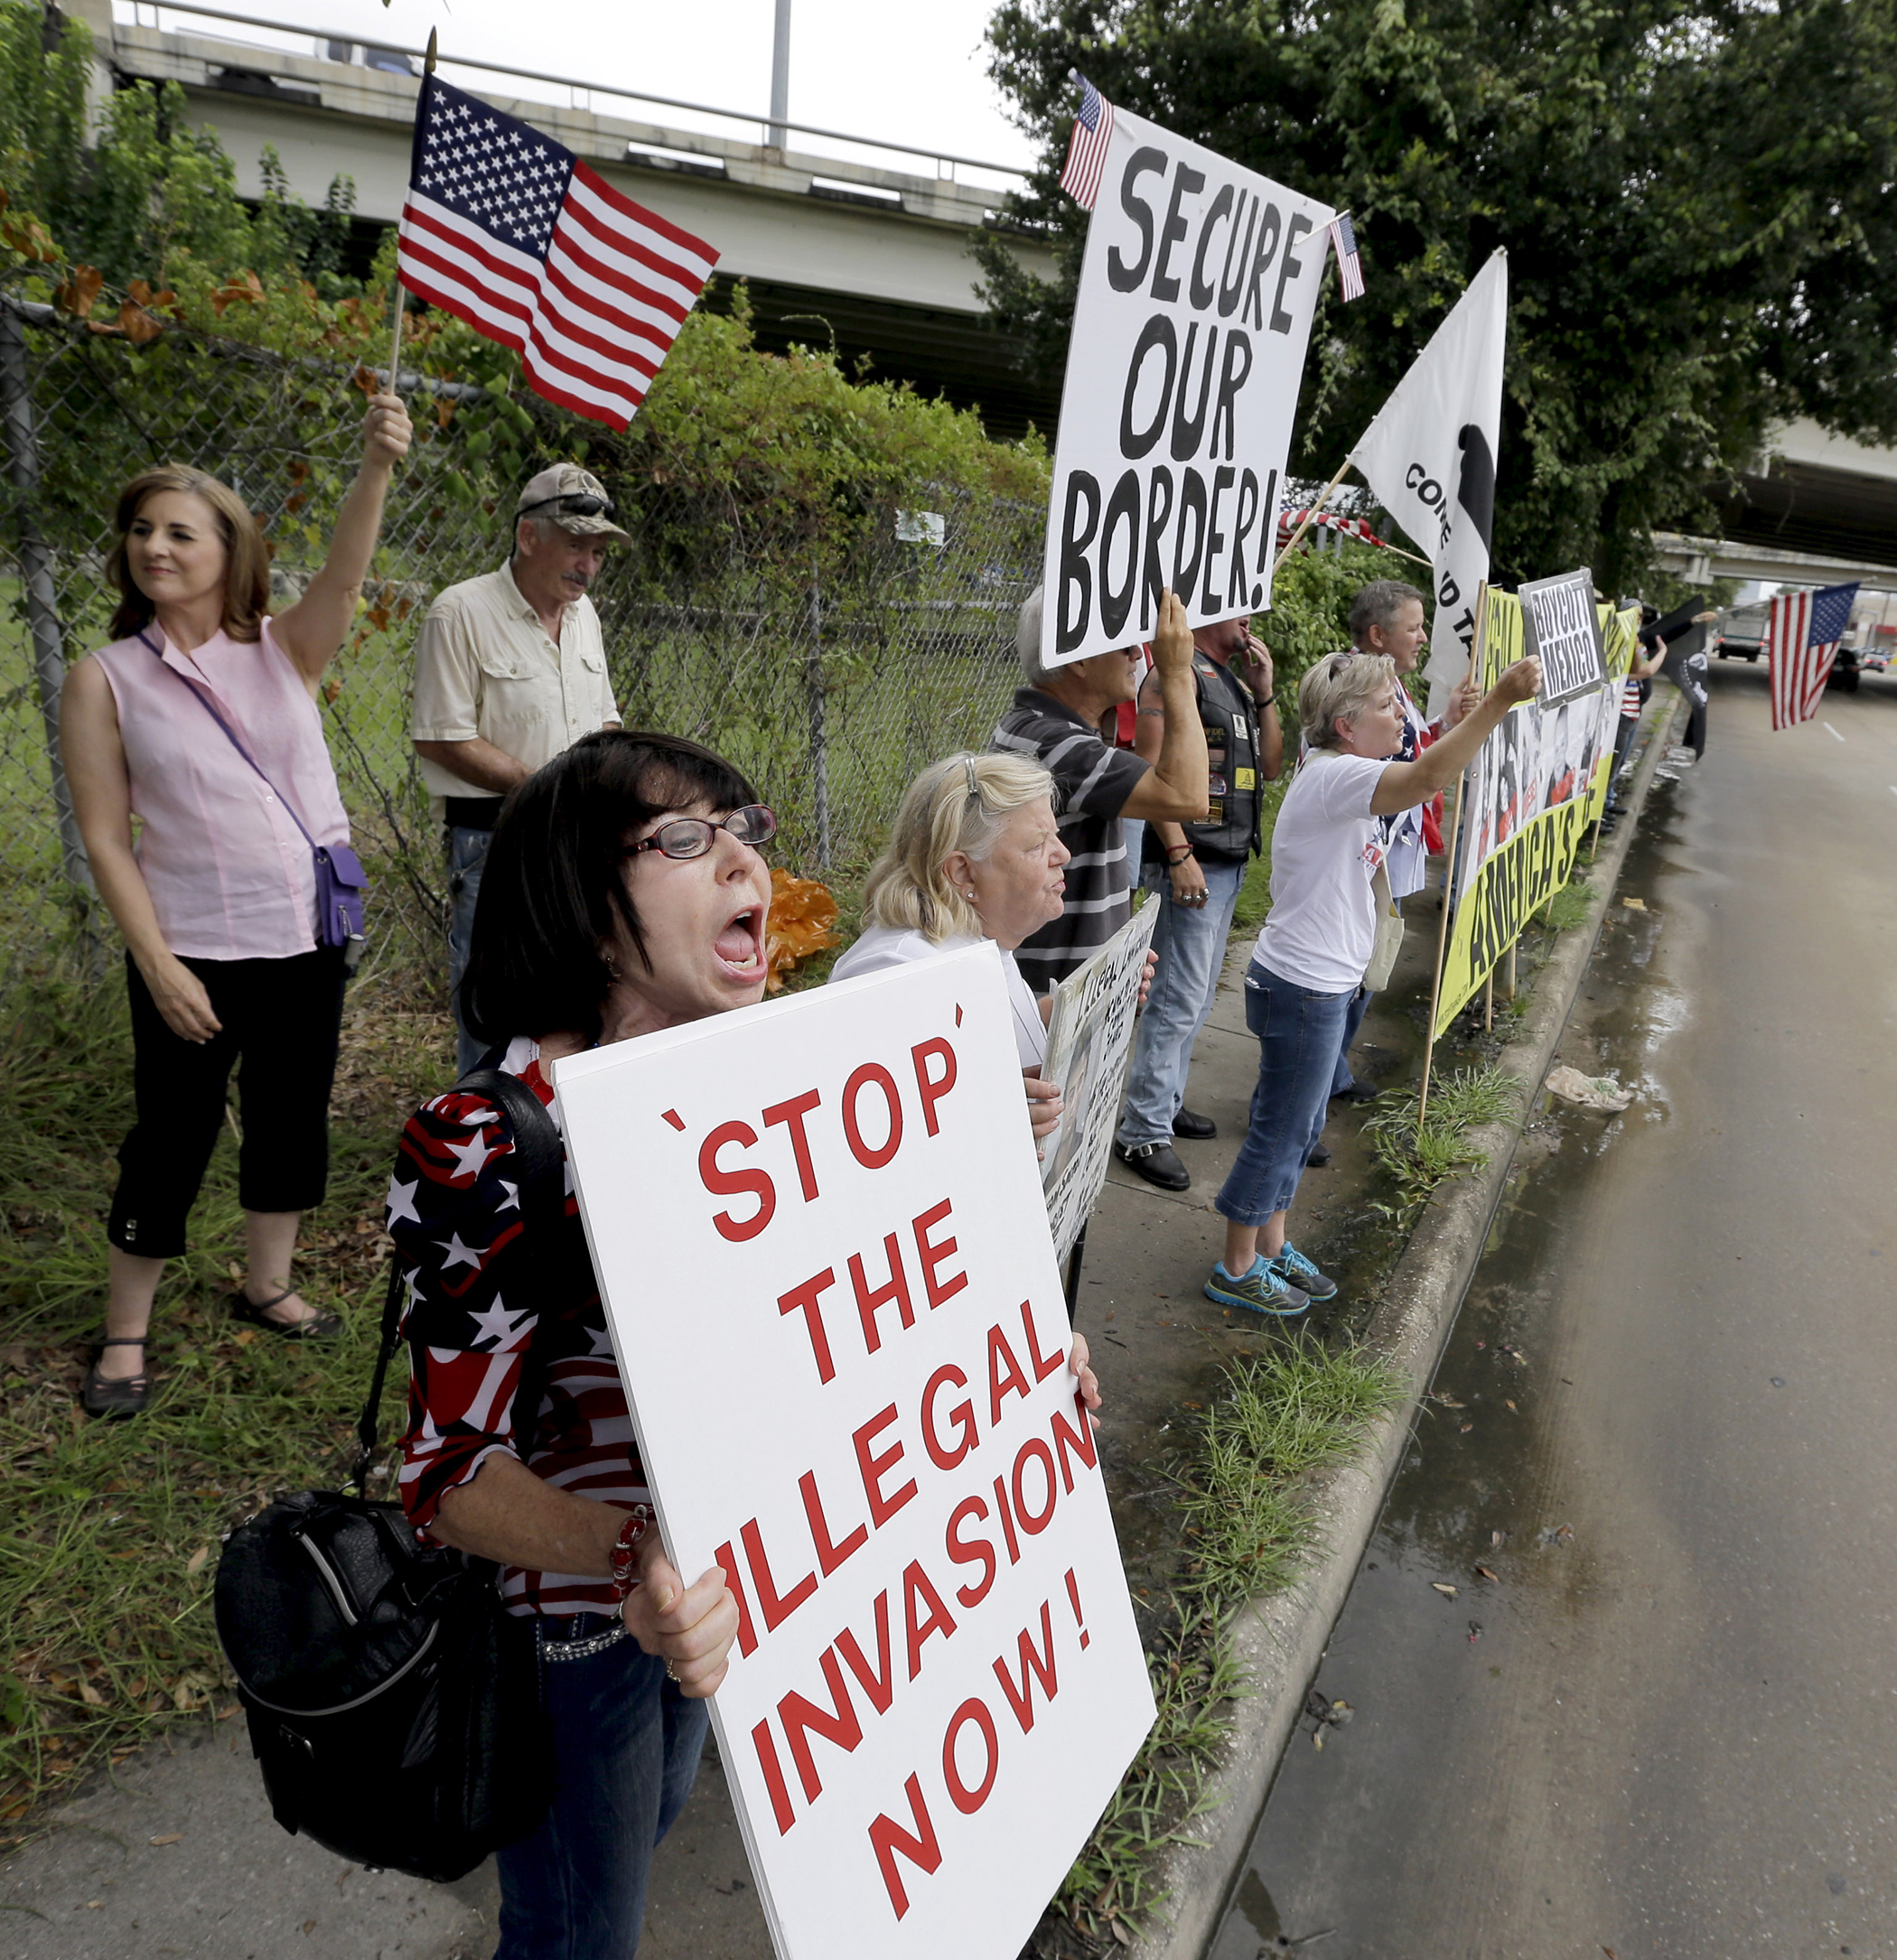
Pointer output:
x,y
1697,251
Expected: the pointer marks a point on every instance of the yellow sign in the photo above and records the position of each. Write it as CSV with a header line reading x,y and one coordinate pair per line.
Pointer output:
x,y
1513,884
1519,876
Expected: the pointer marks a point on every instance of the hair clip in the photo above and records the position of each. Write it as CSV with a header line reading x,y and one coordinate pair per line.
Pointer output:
x,y
974,781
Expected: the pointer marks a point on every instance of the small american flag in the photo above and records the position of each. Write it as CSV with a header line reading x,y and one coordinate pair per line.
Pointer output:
x,y
1349,268
1802,638
1087,147
532,247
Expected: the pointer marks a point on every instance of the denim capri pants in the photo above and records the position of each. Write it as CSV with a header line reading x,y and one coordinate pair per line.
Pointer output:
x,y
1300,1035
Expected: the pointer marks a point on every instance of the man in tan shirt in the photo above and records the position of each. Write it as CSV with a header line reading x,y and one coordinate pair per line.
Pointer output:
x,y
509,669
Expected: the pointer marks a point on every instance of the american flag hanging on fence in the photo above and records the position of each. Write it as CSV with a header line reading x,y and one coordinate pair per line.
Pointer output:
x,y
1087,147
1349,268
530,246
1802,638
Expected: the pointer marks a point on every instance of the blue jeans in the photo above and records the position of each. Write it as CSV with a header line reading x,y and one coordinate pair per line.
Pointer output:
x,y
626,1746
1298,1036
1189,940
467,853
1340,1077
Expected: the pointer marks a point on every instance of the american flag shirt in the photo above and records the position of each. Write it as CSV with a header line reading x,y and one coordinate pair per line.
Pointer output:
x,y
453,1213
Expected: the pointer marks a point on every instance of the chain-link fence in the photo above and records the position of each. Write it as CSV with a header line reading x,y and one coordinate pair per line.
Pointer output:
x,y
830,677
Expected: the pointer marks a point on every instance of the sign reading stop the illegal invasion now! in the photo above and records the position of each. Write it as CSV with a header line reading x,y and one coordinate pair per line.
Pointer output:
x,y
1196,291
818,1230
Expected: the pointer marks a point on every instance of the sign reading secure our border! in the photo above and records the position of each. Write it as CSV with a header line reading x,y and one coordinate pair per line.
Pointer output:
x,y
1196,292
819,1236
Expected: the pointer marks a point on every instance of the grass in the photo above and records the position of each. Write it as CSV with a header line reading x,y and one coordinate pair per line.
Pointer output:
x,y
1246,1506
1571,906
107,1552
1419,1158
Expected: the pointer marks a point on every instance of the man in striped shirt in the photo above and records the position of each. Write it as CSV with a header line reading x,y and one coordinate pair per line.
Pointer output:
x,y
1056,719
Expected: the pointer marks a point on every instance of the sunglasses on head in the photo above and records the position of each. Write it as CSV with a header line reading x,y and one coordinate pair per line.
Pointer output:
x,y
693,836
582,505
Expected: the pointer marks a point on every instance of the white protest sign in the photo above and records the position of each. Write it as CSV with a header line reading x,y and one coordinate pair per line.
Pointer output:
x,y
1196,292
819,1236
1561,623
1429,458
1089,1036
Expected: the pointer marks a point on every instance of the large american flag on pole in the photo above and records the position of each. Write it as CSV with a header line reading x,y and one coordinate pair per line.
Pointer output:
x,y
1087,147
529,244
1802,638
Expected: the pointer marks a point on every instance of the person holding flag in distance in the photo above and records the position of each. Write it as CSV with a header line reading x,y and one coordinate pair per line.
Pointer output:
x,y
1328,847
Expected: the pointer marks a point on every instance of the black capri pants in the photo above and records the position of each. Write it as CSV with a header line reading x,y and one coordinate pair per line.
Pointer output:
x,y
281,1021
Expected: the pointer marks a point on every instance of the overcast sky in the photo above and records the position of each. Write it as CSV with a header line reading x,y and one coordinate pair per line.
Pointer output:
x,y
907,72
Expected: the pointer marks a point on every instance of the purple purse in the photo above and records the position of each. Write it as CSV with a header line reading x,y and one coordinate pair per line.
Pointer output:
x,y
341,881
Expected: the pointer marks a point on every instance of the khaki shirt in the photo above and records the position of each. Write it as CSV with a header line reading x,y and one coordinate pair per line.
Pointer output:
x,y
485,666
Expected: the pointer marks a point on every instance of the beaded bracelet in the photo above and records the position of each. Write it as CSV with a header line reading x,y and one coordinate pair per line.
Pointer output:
x,y
624,1554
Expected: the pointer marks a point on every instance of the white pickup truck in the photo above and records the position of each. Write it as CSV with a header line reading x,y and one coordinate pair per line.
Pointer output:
x,y
1740,635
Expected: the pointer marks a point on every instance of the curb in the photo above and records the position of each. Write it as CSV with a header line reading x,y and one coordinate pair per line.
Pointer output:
x,y
1279,1641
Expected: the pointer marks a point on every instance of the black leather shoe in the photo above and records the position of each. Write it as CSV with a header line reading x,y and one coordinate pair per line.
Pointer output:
x,y
1358,1092
115,1396
1318,1158
1193,1127
1158,1163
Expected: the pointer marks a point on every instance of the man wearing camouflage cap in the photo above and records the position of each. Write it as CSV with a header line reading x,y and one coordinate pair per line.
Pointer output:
x,y
509,669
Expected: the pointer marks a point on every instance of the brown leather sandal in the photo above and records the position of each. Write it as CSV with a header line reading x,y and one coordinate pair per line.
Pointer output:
x,y
116,1396
256,1311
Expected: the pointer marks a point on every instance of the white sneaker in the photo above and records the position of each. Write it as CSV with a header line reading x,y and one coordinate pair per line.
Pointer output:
x,y
1681,758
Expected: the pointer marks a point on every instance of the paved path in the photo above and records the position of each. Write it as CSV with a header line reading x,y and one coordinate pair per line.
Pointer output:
x,y
1668,1727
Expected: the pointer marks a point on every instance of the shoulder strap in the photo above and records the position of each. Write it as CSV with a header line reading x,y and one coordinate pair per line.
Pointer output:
x,y
230,735
542,1159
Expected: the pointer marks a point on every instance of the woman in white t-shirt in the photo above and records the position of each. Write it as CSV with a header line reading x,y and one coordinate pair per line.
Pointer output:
x,y
974,854
1332,834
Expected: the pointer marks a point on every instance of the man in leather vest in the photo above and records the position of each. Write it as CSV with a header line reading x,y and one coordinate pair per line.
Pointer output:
x,y
1198,870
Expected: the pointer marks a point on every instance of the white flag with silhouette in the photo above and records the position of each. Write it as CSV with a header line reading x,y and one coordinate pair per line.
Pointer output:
x,y
1429,458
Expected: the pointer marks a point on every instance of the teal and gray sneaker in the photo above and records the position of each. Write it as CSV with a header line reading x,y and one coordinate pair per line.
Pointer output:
x,y
1260,1291
1298,1272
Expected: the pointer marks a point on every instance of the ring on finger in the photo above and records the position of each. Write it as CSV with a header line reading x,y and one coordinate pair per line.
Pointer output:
x,y
671,1672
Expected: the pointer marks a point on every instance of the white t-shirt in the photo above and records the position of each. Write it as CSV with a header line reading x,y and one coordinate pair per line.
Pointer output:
x,y
1325,849
883,947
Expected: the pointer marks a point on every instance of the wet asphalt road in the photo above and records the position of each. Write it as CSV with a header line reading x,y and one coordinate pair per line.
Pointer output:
x,y
1667,1726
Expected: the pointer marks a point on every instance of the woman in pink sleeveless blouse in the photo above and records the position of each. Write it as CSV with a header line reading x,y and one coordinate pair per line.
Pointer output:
x,y
217,898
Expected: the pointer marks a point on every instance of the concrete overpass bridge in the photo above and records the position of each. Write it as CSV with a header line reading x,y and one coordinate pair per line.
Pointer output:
x,y
840,238
1815,509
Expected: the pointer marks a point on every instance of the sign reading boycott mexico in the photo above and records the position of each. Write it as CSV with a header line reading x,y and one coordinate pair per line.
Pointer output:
x,y
819,1234
1196,291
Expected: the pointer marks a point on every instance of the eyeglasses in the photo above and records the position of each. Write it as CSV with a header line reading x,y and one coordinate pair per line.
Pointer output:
x,y
693,836
584,505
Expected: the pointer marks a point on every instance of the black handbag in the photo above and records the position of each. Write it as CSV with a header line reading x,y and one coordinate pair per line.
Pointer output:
x,y
394,1704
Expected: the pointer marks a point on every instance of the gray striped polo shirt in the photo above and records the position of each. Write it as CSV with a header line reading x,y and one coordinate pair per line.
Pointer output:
x,y
1092,780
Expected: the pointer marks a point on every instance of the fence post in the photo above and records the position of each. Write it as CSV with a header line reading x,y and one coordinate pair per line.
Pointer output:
x,y
819,735
48,655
